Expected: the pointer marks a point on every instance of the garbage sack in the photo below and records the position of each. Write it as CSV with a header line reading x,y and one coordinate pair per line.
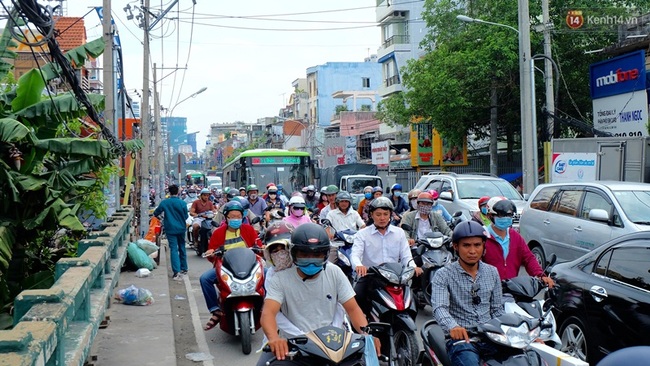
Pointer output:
x,y
153,223
142,272
134,296
139,257
146,245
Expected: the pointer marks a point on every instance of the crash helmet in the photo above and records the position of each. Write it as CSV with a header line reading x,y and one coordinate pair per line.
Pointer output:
x,y
205,191
434,194
377,189
381,202
343,196
232,206
310,238
483,201
311,188
297,202
504,207
425,197
278,233
396,187
304,190
251,187
492,201
232,192
413,193
467,229
272,189
331,189
367,189
323,190
637,355
242,189
269,185
243,202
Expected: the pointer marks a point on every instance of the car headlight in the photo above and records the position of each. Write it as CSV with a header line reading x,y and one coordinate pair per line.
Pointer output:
x,y
243,287
389,276
516,337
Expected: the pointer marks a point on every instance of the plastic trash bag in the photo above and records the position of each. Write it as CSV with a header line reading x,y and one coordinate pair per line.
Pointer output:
x,y
147,246
370,352
134,296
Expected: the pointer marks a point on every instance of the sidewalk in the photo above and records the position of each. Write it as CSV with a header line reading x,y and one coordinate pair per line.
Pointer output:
x,y
139,335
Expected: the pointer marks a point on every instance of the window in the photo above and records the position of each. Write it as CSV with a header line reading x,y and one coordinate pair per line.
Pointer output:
x,y
593,201
446,187
434,184
542,201
365,82
568,203
630,266
603,263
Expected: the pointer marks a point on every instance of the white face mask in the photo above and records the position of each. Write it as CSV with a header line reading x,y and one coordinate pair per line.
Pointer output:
x,y
414,203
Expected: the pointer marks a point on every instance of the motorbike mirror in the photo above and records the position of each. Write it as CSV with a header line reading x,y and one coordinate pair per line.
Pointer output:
x,y
377,327
551,261
420,250
280,213
256,220
326,222
406,227
458,214
547,306
299,340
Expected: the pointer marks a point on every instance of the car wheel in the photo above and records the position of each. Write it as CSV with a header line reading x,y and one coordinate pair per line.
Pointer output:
x,y
538,252
574,338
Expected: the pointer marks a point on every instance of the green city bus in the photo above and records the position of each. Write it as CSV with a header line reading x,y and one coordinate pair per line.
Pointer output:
x,y
292,169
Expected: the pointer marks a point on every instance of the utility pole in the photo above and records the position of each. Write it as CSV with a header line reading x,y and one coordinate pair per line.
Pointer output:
x,y
109,90
528,125
548,69
160,154
145,128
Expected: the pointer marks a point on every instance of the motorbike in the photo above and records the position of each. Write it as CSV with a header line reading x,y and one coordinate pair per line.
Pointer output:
x,y
392,302
456,218
330,346
205,232
511,334
342,249
432,252
240,280
519,295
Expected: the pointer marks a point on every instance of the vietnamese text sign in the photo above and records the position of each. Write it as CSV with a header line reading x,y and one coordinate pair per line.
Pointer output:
x,y
618,75
624,115
380,153
573,167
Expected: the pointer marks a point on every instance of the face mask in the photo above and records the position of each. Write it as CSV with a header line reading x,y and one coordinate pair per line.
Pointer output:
x,y
298,212
368,195
502,222
484,210
310,266
253,197
397,193
234,223
414,203
281,259
424,210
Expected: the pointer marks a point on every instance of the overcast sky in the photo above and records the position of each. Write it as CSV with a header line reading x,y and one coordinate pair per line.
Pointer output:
x,y
247,72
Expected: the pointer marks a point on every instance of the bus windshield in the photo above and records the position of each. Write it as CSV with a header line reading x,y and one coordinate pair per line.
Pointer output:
x,y
292,177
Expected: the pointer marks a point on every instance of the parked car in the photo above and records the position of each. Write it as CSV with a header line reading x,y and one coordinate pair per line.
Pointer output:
x,y
602,299
571,219
460,192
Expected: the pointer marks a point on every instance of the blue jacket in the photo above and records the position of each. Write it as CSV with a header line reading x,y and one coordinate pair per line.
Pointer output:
x,y
175,210
401,206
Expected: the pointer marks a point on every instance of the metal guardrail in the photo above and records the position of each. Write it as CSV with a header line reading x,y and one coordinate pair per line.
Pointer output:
x,y
57,326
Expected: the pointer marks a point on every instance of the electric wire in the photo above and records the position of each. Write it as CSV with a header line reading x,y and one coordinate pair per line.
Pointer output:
x,y
189,52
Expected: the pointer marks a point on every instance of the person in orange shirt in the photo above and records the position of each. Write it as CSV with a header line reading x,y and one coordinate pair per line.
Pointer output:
x,y
367,197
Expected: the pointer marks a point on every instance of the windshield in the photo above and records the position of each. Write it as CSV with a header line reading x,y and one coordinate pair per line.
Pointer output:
x,y
292,177
477,188
356,185
635,204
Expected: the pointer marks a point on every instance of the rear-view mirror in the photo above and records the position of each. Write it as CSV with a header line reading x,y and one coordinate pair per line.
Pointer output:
x,y
598,214
446,196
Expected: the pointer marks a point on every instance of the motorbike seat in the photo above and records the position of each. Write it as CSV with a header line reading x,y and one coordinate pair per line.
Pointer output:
x,y
436,338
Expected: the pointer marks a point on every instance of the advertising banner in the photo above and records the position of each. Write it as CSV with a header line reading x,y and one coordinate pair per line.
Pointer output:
x,y
453,154
623,115
334,153
350,150
425,144
573,167
380,153
618,75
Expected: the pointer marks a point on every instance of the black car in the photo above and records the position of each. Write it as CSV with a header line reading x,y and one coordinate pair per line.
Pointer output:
x,y
602,299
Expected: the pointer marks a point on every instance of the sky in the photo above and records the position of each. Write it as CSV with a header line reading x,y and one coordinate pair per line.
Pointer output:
x,y
247,72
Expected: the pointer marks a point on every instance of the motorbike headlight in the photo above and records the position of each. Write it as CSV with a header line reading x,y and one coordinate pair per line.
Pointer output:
x,y
349,238
407,274
389,276
247,286
547,333
435,243
516,337
344,259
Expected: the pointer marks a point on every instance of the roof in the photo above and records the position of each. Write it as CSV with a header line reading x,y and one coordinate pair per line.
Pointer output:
x,y
70,32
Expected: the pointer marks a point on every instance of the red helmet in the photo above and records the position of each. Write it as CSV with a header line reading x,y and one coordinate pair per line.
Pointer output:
x,y
483,200
270,184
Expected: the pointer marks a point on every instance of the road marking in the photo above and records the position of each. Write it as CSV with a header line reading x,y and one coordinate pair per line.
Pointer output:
x,y
199,333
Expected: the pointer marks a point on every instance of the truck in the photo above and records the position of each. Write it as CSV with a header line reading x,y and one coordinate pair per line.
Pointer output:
x,y
601,158
352,178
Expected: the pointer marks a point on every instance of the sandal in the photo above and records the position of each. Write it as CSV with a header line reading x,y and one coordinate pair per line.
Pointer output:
x,y
214,320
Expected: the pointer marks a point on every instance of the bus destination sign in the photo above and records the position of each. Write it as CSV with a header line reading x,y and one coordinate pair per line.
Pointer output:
x,y
281,160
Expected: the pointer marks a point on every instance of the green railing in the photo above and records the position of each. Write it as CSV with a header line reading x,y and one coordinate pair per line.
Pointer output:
x,y
57,326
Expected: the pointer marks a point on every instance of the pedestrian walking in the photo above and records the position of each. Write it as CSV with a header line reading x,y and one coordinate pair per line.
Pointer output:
x,y
175,211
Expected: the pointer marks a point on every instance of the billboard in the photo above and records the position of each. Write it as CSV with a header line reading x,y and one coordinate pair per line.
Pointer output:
x,y
380,153
619,75
454,154
573,167
623,115
334,151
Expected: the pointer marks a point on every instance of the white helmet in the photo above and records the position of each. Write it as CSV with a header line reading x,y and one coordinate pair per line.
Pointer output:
x,y
297,200
491,203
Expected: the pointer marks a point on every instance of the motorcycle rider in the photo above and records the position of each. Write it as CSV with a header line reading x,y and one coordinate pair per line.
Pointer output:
x,y
466,293
424,220
282,194
330,192
481,215
296,215
322,201
505,248
398,202
438,208
242,191
234,234
191,195
258,205
376,193
308,295
272,202
311,198
413,199
200,206
367,197
343,217
378,243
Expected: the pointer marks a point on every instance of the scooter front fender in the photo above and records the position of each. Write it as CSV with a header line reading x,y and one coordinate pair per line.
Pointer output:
x,y
405,322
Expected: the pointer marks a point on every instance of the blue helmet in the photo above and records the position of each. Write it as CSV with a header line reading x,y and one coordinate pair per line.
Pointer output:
x,y
396,187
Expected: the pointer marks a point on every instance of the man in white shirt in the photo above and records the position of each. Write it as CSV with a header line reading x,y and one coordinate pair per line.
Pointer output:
x,y
376,244
343,218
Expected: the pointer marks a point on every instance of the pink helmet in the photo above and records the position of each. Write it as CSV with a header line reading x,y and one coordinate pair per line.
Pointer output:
x,y
434,194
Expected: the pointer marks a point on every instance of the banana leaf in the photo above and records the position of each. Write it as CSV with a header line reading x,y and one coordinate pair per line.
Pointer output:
x,y
77,57
29,91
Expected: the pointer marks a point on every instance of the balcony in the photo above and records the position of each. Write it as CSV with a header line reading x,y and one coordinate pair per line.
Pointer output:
x,y
390,86
397,39
391,80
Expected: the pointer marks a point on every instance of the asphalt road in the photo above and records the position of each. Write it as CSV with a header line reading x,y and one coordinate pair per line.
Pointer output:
x,y
191,314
